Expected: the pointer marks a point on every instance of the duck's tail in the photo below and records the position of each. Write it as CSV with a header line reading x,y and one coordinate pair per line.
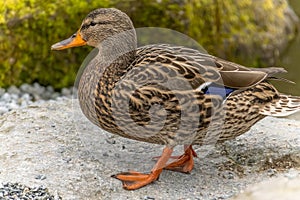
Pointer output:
x,y
284,106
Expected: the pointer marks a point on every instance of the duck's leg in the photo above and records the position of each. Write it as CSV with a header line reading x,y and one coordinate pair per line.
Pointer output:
x,y
185,162
135,180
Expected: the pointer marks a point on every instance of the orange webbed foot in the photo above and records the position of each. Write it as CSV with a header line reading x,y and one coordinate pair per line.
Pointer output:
x,y
183,163
134,180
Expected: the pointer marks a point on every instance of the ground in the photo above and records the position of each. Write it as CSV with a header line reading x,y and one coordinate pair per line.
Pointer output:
x,y
53,144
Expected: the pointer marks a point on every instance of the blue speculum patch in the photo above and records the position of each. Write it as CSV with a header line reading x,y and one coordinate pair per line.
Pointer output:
x,y
216,89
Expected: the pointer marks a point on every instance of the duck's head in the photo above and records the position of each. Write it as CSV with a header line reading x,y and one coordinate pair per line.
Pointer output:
x,y
96,27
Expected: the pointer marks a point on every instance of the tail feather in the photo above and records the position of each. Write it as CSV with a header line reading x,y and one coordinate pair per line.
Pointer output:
x,y
286,105
271,71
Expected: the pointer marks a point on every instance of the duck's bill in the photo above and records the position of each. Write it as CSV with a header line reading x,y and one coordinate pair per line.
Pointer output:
x,y
74,41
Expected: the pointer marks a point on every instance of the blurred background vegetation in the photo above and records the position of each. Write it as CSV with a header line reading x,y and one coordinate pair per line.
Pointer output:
x,y
255,33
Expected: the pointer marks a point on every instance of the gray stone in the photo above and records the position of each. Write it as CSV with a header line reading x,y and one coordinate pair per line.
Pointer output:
x,y
6,97
66,92
13,90
26,97
3,110
25,87
49,88
13,105
14,97
2,91
38,89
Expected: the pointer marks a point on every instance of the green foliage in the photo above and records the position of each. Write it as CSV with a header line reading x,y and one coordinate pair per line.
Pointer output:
x,y
28,30
251,32
239,30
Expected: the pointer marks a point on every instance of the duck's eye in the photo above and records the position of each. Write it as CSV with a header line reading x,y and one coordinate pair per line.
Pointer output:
x,y
93,23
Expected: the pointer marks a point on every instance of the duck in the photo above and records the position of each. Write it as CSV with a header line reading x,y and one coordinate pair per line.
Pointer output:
x,y
168,94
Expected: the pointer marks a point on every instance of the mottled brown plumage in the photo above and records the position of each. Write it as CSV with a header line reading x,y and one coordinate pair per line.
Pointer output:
x,y
166,94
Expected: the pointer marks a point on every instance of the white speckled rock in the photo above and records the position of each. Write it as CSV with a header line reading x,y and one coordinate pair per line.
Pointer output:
x,y
277,188
55,141
13,97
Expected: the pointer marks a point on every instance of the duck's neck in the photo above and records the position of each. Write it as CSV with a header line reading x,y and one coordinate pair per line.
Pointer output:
x,y
115,56
118,48
103,72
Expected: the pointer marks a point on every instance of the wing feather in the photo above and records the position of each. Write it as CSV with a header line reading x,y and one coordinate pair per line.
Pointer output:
x,y
198,68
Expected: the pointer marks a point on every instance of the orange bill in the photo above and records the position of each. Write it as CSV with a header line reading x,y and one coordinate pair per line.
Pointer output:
x,y
74,41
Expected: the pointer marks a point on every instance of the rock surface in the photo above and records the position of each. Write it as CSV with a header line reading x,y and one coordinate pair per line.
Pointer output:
x,y
53,144
280,188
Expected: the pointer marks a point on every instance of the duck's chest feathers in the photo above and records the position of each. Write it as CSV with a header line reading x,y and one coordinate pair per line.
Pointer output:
x,y
95,88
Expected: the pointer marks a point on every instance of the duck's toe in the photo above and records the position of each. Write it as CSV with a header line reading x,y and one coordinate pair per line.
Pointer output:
x,y
133,180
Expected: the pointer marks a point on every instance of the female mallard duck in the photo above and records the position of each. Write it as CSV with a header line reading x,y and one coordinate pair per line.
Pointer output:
x,y
166,94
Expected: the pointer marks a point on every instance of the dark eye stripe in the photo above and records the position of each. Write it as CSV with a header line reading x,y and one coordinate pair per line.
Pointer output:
x,y
92,23
103,22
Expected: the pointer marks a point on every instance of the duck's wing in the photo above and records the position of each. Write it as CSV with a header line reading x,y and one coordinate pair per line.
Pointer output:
x,y
238,76
199,68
